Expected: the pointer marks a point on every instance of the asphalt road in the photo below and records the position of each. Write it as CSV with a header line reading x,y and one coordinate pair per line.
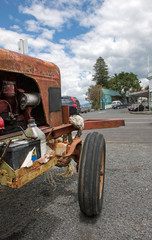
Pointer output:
x,y
42,211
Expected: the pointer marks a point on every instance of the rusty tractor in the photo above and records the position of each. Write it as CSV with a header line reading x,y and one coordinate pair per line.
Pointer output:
x,y
36,132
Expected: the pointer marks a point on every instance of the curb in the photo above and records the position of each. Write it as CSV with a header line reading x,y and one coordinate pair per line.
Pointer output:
x,y
141,112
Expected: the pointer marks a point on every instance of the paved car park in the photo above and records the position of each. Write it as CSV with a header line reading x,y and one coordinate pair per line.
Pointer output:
x,y
40,210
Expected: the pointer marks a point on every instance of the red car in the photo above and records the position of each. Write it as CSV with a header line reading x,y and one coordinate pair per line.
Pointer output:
x,y
136,107
73,103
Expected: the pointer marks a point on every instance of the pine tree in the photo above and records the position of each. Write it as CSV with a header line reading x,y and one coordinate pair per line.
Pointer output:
x,y
101,73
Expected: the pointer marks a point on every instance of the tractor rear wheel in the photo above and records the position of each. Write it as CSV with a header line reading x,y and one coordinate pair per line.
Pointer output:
x,y
91,174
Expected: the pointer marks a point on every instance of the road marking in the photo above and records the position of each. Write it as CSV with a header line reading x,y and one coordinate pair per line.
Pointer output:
x,y
117,142
148,144
138,118
139,122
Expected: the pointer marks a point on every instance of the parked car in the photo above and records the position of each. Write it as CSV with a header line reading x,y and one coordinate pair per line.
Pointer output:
x,y
146,105
84,109
73,103
78,105
120,105
115,103
136,107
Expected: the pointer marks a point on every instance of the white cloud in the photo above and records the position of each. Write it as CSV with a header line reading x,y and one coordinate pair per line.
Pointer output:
x,y
48,34
32,26
118,31
144,82
16,27
57,13
38,44
47,16
121,35
74,81
9,39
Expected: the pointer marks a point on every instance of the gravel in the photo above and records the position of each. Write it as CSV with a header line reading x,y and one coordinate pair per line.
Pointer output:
x,y
38,210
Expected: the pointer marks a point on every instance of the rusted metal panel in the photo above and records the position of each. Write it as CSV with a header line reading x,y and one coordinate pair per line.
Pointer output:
x,y
7,174
15,62
18,178
52,118
65,114
72,147
102,123
45,74
74,152
55,118
56,132
88,124
24,175
11,135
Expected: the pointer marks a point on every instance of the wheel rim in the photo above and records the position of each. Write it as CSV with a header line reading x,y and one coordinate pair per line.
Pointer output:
x,y
102,173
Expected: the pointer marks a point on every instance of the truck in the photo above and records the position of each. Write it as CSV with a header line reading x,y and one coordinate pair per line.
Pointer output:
x,y
36,130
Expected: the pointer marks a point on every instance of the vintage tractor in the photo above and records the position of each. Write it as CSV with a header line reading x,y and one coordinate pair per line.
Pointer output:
x,y
36,131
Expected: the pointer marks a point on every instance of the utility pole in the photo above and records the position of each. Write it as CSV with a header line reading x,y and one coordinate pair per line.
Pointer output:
x,y
150,90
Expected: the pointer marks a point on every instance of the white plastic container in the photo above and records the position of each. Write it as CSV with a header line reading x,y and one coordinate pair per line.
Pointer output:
x,y
33,131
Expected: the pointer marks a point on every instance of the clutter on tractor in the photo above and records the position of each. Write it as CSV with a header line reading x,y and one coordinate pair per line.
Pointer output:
x,y
36,130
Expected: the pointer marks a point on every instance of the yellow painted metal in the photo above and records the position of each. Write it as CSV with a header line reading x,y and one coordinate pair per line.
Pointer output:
x,y
7,174
16,179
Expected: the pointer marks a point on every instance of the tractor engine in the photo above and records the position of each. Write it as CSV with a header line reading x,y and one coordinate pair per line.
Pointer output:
x,y
19,96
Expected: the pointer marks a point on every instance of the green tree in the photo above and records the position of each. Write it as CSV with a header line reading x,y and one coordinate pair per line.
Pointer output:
x,y
101,73
124,82
94,95
147,87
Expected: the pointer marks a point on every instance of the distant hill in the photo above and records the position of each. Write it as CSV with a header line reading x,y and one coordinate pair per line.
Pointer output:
x,y
88,105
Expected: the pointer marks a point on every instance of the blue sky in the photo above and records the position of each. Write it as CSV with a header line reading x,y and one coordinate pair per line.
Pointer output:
x,y
73,34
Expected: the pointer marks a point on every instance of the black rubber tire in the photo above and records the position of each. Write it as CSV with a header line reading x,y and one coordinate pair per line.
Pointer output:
x,y
91,174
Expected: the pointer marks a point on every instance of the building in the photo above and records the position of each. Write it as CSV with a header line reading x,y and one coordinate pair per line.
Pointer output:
x,y
109,95
138,96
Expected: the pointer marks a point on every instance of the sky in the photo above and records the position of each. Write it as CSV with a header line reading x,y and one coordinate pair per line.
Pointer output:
x,y
73,34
